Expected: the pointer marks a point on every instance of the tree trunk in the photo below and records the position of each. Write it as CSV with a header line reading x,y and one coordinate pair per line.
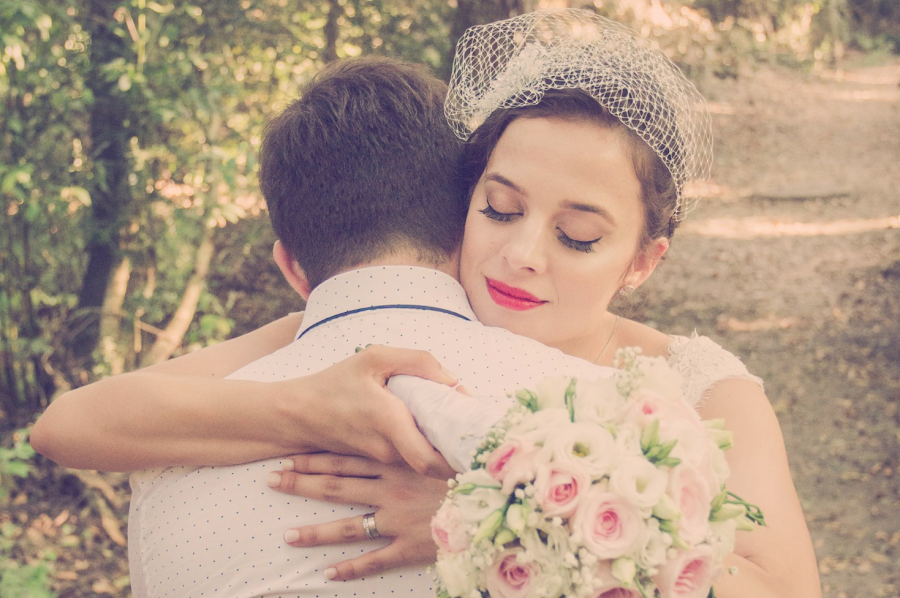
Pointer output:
x,y
330,30
471,12
111,164
170,340
111,317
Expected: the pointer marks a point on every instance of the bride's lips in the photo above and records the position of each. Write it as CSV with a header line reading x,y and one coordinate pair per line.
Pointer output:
x,y
511,297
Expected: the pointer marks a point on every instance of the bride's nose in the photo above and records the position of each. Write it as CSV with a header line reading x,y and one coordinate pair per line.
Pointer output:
x,y
525,250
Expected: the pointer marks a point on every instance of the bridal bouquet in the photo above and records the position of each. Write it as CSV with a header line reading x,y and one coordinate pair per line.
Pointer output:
x,y
604,489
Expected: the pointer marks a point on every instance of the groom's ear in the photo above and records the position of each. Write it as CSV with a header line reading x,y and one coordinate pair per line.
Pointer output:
x,y
291,270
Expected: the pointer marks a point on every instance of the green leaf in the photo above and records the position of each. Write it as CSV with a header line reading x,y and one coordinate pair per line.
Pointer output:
x,y
33,211
79,194
17,468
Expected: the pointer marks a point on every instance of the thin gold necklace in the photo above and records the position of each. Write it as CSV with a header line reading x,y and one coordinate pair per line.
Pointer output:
x,y
609,340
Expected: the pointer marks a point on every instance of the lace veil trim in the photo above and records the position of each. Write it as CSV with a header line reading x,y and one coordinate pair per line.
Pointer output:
x,y
702,363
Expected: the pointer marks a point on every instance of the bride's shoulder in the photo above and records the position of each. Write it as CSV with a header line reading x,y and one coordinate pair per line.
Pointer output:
x,y
702,363
652,342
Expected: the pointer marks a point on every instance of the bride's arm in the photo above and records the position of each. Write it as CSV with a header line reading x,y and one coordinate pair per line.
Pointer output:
x,y
776,561
183,412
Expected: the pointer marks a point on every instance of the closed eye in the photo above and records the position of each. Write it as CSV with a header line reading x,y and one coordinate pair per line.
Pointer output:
x,y
493,214
582,246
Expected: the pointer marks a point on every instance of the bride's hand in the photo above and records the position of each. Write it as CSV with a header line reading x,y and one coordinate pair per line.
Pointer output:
x,y
404,503
351,411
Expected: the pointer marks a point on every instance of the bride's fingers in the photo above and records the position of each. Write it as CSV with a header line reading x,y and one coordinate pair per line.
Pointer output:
x,y
334,464
327,487
417,451
342,531
378,561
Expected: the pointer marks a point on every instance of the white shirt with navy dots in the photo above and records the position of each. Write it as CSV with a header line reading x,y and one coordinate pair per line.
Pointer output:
x,y
217,531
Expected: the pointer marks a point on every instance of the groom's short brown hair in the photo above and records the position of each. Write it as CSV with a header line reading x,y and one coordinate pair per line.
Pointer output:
x,y
364,164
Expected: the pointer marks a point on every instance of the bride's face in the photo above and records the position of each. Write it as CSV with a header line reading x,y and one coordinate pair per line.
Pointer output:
x,y
552,232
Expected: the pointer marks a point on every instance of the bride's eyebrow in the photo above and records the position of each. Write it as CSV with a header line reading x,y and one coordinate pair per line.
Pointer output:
x,y
589,208
499,178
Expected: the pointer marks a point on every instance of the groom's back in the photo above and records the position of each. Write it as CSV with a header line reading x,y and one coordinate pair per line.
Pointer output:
x,y
218,530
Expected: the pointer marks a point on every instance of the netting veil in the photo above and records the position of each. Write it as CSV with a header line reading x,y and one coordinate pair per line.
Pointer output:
x,y
511,64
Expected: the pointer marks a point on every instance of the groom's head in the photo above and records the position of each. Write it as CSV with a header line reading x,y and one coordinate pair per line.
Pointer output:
x,y
363,167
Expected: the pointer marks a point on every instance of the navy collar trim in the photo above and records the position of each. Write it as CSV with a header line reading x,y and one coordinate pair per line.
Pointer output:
x,y
376,307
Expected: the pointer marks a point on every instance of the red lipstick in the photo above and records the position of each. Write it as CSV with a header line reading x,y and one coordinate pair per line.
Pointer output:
x,y
511,297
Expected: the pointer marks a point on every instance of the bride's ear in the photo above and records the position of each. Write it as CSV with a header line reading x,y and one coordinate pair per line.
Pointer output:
x,y
645,263
291,270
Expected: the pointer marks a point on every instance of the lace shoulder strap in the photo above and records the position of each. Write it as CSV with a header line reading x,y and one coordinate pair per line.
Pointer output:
x,y
701,363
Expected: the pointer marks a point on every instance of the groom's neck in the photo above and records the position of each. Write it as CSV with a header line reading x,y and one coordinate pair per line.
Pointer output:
x,y
449,266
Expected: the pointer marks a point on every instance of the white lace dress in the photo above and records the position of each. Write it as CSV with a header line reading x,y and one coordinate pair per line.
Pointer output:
x,y
703,362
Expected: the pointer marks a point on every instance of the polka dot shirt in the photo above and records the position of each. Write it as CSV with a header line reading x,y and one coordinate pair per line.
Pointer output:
x,y
217,531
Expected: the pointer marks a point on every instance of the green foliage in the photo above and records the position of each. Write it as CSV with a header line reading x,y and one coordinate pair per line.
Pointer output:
x,y
185,90
14,462
17,580
26,581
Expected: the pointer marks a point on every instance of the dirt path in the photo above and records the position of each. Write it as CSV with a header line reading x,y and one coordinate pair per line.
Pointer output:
x,y
795,266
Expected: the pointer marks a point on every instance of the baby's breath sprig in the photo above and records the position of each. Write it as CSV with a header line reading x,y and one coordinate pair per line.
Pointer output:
x,y
628,378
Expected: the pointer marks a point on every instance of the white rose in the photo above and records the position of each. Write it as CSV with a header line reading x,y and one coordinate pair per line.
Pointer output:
x,y
628,440
483,498
458,574
658,376
537,427
550,547
597,401
551,392
639,481
588,444
721,537
653,552
719,465
693,446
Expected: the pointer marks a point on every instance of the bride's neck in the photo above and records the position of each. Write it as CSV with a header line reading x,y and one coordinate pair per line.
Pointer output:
x,y
597,344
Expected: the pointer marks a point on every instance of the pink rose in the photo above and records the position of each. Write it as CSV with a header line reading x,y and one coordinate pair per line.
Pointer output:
x,y
512,463
690,491
448,530
497,464
689,575
610,525
508,578
610,587
646,406
559,487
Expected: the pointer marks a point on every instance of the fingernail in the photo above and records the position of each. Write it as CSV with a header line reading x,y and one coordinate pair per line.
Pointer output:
x,y
287,465
330,573
291,536
449,373
273,479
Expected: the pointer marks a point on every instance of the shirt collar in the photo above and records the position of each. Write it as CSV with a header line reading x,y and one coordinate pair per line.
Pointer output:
x,y
383,287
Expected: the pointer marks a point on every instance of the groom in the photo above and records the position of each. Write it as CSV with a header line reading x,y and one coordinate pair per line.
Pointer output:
x,y
359,176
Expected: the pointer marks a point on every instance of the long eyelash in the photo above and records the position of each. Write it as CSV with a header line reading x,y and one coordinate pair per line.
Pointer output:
x,y
495,215
582,246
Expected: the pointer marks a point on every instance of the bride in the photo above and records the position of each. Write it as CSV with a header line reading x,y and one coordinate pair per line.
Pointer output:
x,y
577,180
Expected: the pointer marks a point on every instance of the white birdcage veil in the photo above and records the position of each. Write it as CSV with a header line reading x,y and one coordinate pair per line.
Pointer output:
x,y
511,63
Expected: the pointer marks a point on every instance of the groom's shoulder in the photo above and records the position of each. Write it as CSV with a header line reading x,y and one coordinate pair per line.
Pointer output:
x,y
499,344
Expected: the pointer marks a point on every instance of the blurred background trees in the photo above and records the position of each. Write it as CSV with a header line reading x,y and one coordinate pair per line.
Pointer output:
x,y
130,217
